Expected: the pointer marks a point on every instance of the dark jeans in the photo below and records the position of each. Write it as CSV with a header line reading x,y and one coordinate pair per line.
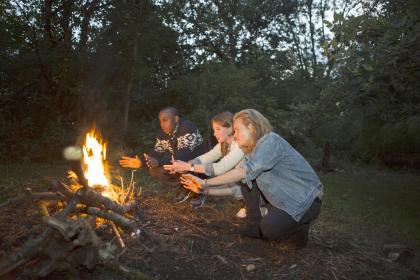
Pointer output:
x,y
277,224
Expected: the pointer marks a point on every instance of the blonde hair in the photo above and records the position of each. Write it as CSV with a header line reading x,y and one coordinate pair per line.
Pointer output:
x,y
224,119
259,124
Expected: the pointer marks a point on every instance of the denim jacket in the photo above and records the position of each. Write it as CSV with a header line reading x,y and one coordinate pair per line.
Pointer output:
x,y
283,176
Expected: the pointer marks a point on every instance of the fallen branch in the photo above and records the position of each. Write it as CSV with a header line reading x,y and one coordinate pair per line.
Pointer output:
x,y
46,195
92,198
62,188
32,246
117,234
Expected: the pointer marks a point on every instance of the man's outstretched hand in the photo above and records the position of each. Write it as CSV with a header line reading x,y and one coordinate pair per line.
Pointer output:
x,y
150,161
130,162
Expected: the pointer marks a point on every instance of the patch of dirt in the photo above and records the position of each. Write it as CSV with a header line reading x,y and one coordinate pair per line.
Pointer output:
x,y
180,242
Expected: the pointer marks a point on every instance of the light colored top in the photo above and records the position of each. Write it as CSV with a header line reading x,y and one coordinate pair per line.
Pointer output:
x,y
215,163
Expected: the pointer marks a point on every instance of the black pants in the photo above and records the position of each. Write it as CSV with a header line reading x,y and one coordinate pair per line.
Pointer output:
x,y
277,224
164,177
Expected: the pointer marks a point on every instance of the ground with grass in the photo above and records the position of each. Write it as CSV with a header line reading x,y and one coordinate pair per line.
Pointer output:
x,y
365,211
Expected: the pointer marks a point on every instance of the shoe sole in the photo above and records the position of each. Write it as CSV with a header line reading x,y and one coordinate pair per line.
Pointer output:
x,y
184,199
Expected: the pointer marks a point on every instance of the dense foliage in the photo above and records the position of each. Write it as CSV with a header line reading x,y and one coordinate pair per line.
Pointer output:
x,y
345,71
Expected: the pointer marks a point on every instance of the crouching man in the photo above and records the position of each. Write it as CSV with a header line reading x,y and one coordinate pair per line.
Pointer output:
x,y
178,139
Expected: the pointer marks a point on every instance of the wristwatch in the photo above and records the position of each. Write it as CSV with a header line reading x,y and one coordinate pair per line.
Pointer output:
x,y
192,168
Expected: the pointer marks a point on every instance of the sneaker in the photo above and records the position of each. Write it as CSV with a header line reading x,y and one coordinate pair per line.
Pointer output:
x,y
182,197
198,202
241,213
264,211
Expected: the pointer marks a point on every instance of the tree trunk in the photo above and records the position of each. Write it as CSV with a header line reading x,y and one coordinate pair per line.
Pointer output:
x,y
62,93
127,96
297,48
312,34
46,19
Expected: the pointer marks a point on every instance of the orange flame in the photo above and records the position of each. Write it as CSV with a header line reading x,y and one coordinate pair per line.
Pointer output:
x,y
96,166
94,158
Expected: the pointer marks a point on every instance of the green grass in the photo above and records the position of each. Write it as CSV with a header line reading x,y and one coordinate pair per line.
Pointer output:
x,y
385,199
15,178
381,198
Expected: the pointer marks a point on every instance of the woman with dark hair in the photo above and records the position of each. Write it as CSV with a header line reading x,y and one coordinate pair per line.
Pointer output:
x,y
225,156
274,171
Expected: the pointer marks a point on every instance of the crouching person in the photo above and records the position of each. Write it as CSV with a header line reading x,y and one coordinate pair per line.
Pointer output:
x,y
225,156
275,171
178,139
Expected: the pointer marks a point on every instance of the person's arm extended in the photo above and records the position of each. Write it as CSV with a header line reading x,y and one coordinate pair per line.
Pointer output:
x,y
131,162
197,184
179,166
229,161
231,176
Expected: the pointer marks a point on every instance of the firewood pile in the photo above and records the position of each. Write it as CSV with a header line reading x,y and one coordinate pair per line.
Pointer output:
x,y
68,237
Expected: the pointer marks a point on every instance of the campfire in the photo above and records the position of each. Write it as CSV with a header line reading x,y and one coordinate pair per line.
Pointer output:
x,y
96,171
75,214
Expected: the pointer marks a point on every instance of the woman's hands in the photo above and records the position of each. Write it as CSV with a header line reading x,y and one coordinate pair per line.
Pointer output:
x,y
177,166
192,183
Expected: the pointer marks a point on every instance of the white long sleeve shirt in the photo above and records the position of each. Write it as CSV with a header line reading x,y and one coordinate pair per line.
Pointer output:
x,y
215,163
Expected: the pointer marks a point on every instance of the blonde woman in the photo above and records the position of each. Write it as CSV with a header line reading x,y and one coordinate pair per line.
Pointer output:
x,y
274,170
225,156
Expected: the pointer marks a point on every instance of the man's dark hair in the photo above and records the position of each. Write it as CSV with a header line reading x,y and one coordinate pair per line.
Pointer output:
x,y
172,110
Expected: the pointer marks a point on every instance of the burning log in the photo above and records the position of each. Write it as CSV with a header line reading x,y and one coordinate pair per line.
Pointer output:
x,y
92,198
65,243
121,221
89,198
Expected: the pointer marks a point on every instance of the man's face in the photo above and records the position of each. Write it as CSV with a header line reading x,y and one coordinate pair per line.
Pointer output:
x,y
168,121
